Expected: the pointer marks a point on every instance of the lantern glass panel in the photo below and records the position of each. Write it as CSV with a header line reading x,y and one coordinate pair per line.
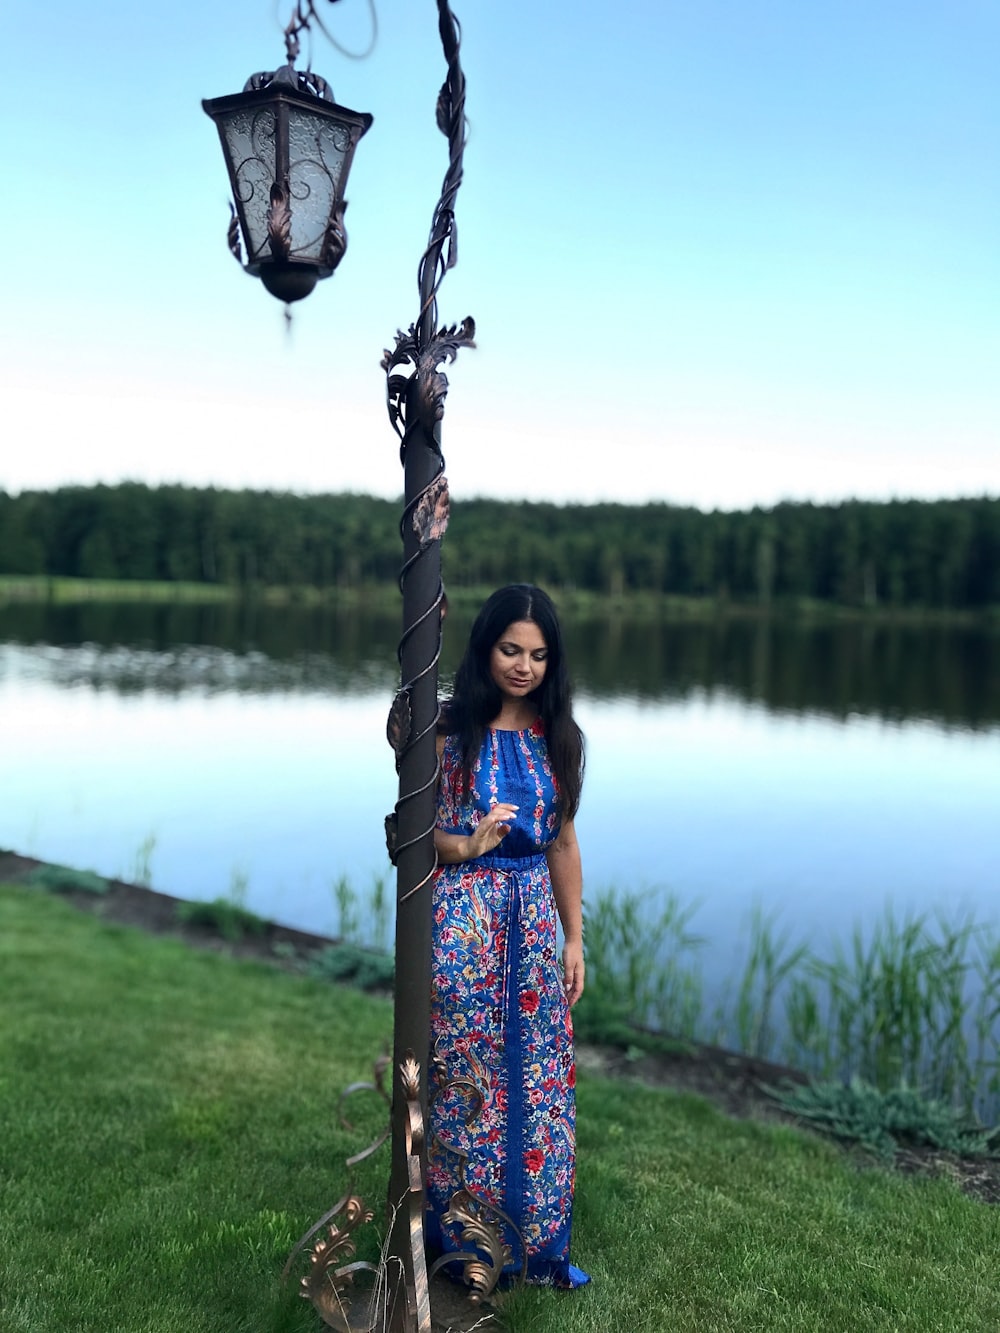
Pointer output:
x,y
317,149
249,136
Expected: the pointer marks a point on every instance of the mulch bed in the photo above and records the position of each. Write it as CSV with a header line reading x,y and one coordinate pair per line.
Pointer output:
x,y
732,1082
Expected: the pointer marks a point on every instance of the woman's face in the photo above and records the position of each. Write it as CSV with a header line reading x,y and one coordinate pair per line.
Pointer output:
x,y
518,659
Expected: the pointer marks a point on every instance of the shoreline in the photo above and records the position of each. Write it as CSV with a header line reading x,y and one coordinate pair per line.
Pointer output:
x,y
56,590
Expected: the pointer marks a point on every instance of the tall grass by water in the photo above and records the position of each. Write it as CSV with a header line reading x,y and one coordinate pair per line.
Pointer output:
x,y
913,1001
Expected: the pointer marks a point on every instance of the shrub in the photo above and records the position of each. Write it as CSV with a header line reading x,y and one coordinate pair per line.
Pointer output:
x,y
232,920
883,1122
64,879
348,962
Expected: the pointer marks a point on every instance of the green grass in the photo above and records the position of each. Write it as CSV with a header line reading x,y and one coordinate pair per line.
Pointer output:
x,y
169,1130
169,1126
40,588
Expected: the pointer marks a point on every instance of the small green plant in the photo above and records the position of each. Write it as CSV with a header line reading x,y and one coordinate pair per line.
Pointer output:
x,y
142,863
239,883
883,1122
381,909
364,920
230,919
348,962
347,909
229,915
64,879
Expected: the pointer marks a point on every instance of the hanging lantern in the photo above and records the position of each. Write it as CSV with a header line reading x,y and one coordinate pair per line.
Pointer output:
x,y
288,148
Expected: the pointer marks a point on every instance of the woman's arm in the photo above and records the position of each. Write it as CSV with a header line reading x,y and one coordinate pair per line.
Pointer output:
x,y
566,870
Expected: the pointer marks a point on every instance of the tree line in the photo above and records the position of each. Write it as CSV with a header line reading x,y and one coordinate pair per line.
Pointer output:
x,y
899,553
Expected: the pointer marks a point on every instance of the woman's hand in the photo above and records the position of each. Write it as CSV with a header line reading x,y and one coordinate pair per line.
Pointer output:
x,y
489,833
491,830
573,971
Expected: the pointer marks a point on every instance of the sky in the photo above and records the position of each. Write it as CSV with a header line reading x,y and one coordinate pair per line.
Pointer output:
x,y
719,252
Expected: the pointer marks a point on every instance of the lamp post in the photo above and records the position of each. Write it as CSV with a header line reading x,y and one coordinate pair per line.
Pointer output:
x,y
288,149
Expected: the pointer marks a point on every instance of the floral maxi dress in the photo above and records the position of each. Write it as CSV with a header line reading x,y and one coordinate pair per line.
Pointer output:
x,y
499,1016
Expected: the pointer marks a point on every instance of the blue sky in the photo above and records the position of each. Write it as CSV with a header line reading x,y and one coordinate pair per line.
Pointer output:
x,y
719,252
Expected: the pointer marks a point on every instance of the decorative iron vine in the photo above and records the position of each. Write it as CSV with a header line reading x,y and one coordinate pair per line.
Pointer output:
x,y
415,397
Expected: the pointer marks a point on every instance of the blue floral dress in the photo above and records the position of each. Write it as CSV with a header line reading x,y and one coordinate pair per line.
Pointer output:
x,y
499,1016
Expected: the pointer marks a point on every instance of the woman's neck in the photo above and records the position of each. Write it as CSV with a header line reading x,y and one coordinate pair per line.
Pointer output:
x,y
515,715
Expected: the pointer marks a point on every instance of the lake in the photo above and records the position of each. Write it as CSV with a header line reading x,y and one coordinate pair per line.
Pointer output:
x,y
818,770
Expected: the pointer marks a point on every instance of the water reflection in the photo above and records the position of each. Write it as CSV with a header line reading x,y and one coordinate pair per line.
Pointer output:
x,y
817,770
894,672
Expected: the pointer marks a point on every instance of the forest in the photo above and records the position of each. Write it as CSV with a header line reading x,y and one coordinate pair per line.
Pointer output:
x,y
899,553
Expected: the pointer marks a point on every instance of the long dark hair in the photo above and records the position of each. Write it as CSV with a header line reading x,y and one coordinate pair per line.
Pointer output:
x,y
476,699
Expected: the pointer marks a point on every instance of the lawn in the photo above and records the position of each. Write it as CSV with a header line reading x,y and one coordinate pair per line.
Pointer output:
x,y
168,1129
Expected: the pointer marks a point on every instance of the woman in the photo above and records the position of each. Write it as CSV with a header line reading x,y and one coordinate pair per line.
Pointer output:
x,y
511,772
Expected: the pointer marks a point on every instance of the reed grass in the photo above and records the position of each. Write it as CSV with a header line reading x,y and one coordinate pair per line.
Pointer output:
x,y
913,1001
640,967
771,960
364,920
142,862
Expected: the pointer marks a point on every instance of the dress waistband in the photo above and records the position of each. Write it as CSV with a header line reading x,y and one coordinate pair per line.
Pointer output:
x,y
509,864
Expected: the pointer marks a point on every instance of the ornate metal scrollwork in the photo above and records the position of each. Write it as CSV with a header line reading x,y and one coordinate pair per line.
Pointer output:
x,y
431,384
329,1282
482,1274
305,80
329,1279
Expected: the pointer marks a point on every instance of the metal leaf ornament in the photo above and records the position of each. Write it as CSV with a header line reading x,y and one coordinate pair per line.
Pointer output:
x,y
335,241
397,728
329,1279
392,836
233,235
431,384
482,1274
279,223
430,518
